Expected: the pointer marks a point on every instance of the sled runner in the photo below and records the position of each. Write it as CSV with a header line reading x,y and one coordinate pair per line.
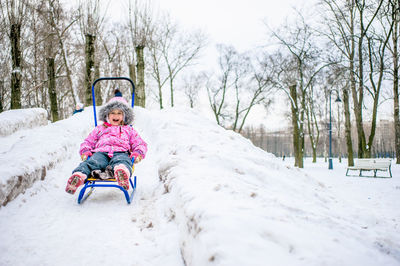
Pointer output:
x,y
93,182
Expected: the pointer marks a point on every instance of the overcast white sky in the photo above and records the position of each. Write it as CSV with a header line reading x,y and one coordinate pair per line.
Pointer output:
x,y
239,23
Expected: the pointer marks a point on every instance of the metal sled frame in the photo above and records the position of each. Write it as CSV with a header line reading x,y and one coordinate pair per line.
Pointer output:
x,y
92,182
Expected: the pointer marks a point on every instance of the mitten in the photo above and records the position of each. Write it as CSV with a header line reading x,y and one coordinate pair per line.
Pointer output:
x,y
137,157
85,155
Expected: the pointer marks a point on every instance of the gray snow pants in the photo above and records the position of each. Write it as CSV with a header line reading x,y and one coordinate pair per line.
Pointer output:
x,y
100,160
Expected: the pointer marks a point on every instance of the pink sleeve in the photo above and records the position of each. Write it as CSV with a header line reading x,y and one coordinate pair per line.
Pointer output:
x,y
90,142
138,145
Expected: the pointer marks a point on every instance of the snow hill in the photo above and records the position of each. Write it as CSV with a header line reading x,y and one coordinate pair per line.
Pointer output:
x,y
14,120
206,196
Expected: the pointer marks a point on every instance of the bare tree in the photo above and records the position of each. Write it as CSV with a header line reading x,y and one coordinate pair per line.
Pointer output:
x,y
192,85
243,83
240,83
253,85
55,18
5,55
115,51
312,120
91,22
174,50
393,17
157,72
340,22
34,61
13,12
54,35
304,61
157,62
217,90
377,45
179,52
140,25
358,96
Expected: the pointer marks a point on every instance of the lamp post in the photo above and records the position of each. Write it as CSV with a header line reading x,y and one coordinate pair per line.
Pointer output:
x,y
338,100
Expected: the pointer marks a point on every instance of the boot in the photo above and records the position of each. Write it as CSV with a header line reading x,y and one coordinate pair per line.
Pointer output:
x,y
121,174
75,181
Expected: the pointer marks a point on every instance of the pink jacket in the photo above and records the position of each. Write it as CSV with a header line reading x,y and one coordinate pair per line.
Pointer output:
x,y
110,139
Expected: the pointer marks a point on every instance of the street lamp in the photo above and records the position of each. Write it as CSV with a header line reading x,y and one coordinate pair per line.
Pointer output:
x,y
338,100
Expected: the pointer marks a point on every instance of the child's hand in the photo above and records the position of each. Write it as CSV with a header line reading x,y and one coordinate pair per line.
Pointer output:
x,y
85,155
137,157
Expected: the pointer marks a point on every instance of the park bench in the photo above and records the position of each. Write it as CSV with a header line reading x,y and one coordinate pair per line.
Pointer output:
x,y
373,164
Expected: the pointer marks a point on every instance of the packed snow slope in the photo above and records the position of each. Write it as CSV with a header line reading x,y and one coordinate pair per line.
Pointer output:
x,y
206,196
30,149
14,120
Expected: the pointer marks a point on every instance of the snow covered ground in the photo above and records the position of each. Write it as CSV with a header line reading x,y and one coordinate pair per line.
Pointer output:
x,y
32,150
205,196
14,120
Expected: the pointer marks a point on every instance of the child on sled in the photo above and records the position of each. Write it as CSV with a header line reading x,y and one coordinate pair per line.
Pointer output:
x,y
113,144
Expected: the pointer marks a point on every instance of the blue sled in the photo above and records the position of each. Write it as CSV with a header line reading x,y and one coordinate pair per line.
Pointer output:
x,y
93,182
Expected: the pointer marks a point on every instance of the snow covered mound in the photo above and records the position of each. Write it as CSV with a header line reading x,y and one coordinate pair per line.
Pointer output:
x,y
26,155
205,196
236,204
13,120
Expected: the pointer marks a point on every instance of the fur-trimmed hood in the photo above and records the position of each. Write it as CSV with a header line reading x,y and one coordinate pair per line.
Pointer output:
x,y
117,103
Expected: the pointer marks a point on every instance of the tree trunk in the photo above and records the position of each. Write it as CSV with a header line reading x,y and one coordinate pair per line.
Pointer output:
x,y
368,149
346,95
377,88
314,155
97,89
156,74
347,127
313,130
295,124
358,100
16,77
171,86
140,95
363,147
395,36
339,137
51,77
301,129
89,74
132,72
2,103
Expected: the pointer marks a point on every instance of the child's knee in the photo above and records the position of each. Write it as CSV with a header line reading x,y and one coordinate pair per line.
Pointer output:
x,y
122,159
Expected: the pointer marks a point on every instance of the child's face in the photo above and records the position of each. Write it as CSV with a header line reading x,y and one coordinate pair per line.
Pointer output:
x,y
116,117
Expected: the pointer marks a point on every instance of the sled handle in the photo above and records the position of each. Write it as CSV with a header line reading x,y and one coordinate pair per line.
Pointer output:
x,y
110,78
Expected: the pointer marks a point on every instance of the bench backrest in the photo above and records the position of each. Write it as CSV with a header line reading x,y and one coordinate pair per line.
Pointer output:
x,y
376,162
